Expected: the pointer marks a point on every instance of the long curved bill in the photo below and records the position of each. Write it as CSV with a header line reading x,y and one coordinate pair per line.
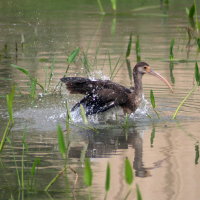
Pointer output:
x,y
161,78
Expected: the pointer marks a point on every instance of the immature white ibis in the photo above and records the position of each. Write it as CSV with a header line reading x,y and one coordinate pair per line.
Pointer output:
x,y
101,95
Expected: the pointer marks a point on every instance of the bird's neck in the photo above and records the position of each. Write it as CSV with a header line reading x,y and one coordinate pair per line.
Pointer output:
x,y
138,84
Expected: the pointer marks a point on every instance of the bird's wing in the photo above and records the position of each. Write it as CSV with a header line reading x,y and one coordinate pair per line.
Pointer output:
x,y
79,85
101,101
101,95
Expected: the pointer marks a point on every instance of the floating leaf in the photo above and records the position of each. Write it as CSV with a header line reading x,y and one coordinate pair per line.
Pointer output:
x,y
152,98
107,183
139,195
61,141
88,173
73,55
128,172
128,51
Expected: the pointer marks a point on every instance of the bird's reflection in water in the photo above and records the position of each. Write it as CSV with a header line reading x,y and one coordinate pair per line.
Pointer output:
x,y
108,142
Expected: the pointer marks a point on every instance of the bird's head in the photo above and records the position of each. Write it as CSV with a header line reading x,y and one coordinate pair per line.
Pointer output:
x,y
143,68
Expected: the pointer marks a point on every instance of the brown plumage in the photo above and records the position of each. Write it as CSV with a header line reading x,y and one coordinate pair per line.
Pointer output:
x,y
101,95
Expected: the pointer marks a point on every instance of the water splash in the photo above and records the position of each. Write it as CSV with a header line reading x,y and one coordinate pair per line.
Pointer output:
x,y
142,110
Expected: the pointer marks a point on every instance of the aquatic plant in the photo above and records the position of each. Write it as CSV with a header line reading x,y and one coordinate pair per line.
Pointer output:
x,y
197,78
171,49
9,100
88,174
61,142
128,172
113,69
101,7
152,136
64,149
139,195
128,175
33,171
171,68
83,115
153,103
49,75
193,30
33,82
107,182
71,58
128,51
138,49
196,153
114,4
197,74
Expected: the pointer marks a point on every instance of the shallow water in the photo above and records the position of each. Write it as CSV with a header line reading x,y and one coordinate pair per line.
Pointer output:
x,y
163,152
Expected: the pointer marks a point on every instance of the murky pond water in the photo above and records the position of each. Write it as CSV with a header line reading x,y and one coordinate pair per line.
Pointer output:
x,y
164,153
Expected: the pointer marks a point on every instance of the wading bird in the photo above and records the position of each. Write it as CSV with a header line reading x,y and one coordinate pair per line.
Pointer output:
x,y
101,95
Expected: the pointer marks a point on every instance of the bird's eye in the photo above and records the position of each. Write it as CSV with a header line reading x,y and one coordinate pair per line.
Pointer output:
x,y
145,67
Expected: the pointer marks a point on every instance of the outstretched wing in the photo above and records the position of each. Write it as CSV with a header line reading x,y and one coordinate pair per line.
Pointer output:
x,y
80,85
101,95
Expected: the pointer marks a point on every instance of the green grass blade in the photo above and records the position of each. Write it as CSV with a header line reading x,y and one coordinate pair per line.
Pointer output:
x,y
171,68
36,162
129,68
171,49
128,51
152,136
128,172
33,84
54,179
113,26
101,7
191,12
143,8
196,154
187,11
61,141
5,133
26,72
183,101
197,74
107,183
88,173
139,195
114,4
68,111
138,49
83,115
71,58
152,98
198,42
9,99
